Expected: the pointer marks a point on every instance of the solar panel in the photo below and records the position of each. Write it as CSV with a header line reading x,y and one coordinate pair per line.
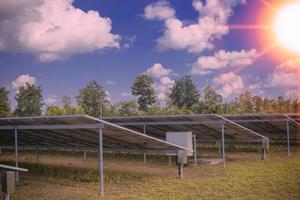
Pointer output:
x,y
274,126
207,127
76,131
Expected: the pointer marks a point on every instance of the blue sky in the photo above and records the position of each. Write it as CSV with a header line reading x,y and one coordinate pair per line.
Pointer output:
x,y
66,56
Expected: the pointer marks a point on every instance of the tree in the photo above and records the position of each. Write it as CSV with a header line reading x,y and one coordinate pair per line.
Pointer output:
x,y
282,105
4,102
184,93
66,101
29,100
92,99
55,110
67,106
143,89
211,101
246,104
258,104
127,108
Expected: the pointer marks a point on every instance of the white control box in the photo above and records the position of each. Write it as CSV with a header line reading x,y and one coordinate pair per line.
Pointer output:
x,y
184,139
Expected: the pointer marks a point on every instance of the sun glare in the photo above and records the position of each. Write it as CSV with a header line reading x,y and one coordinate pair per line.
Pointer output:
x,y
287,26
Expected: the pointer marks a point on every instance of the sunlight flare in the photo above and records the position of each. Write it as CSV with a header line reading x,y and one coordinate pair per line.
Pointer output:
x,y
287,26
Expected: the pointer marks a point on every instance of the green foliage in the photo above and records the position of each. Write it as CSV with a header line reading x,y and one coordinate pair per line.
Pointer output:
x,y
29,100
4,102
143,89
211,102
184,93
168,110
246,104
67,106
55,110
92,99
127,108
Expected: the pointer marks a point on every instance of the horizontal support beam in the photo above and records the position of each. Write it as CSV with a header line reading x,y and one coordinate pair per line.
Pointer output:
x,y
108,150
196,122
49,127
168,123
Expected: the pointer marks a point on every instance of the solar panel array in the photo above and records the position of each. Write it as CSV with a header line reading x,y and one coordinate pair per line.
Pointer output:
x,y
114,137
207,127
126,133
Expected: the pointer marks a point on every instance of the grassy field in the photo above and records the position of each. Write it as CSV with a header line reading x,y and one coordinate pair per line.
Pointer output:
x,y
67,176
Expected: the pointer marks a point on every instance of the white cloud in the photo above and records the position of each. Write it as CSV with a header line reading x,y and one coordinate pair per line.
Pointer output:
x,y
126,94
50,100
53,30
108,95
222,59
195,37
162,80
286,75
157,70
22,80
159,10
162,87
228,84
110,82
285,78
129,40
292,94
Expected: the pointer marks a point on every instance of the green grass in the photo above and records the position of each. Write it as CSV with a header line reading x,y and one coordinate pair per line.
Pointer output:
x,y
75,174
272,179
126,177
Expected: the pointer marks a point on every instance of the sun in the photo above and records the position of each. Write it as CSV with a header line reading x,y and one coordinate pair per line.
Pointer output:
x,y
287,26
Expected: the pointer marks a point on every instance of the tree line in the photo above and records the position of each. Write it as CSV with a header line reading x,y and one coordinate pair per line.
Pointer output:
x,y
183,98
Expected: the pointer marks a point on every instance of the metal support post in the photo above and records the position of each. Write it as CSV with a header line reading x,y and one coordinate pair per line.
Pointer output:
x,y
37,151
6,196
16,154
180,170
144,131
195,149
265,146
263,154
84,155
170,160
288,138
219,146
223,145
100,162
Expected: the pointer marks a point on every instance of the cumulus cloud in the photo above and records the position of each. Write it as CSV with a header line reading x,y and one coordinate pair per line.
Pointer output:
x,y
128,41
285,78
159,10
110,82
222,59
126,94
162,87
162,80
285,75
22,80
157,70
228,84
50,100
196,37
53,30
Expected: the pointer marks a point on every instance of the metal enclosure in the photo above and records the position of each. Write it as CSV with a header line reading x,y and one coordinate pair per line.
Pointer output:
x,y
184,139
8,182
